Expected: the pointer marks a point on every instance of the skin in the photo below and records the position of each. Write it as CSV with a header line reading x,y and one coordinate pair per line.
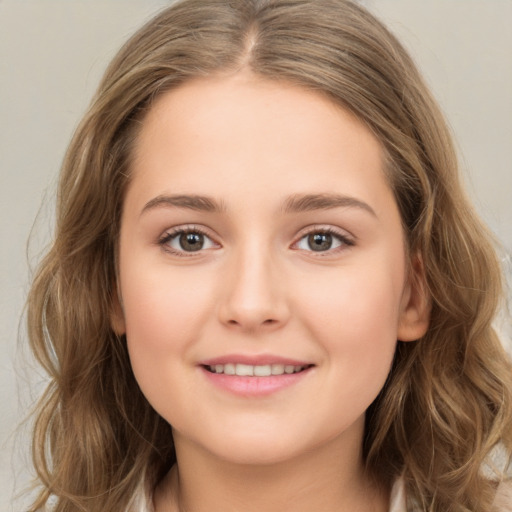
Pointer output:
x,y
258,288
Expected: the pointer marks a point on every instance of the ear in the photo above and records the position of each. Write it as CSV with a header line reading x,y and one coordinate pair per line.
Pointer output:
x,y
415,306
117,321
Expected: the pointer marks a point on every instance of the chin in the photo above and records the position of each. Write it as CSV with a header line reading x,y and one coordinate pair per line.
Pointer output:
x,y
256,450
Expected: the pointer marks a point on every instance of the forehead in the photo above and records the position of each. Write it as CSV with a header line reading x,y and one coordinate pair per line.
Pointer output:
x,y
237,133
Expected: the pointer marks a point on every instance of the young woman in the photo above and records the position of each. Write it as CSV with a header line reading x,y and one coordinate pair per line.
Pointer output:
x,y
267,289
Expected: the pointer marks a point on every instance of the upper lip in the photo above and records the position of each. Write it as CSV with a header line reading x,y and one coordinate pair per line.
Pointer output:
x,y
254,360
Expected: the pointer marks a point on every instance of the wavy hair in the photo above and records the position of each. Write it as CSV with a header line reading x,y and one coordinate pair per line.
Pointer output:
x,y
447,404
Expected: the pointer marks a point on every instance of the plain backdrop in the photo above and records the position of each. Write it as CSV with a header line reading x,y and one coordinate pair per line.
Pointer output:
x,y
52,54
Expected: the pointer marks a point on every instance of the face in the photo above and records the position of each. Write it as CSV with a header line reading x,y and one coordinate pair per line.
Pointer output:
x,y
263,277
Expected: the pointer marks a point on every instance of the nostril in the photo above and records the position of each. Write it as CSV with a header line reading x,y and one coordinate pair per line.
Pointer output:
x,y
268,321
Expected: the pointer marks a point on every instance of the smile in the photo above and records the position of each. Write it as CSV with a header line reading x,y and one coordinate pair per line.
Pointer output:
x,y
265,376
247,370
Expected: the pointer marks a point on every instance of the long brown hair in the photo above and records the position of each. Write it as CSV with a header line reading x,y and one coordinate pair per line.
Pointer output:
x,y
447,403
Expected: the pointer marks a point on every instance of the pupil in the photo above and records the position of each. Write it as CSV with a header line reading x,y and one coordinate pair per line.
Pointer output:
x,y
320,241
191,241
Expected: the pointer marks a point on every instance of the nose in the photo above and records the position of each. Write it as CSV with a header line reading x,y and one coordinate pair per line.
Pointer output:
x,y
254,295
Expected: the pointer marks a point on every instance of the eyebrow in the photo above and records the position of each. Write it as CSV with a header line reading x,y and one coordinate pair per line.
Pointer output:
x,y
311,202
295,204
190,202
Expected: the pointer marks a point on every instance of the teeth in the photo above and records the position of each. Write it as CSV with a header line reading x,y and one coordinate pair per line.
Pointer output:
x,y
262,371
247,370
229,369
277,369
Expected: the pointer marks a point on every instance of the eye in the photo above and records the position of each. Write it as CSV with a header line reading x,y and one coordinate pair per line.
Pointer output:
x,y
322,241
189,240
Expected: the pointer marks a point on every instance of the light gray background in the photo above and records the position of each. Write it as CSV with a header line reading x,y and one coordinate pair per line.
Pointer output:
x,y
52,54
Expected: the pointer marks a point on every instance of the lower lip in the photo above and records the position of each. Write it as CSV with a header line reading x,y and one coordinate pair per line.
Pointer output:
x,y
254,386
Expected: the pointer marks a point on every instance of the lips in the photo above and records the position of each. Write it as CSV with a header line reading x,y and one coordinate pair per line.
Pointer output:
x,y
254,376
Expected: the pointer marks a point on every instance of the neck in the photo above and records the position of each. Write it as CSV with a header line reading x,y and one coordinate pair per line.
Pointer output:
x,y
325,479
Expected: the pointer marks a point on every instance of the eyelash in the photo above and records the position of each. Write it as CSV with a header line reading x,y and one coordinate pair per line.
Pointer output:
x,y
345,241
170,235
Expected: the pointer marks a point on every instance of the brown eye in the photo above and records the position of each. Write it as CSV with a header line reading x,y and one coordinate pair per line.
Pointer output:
x,y
191,242
320,241
182,241
323,241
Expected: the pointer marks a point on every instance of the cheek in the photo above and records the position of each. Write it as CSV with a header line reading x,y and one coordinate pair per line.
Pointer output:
x,y
164,313
352,302
354,318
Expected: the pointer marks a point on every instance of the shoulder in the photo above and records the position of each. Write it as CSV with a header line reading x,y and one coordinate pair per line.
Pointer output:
x,y
141,501
503,500
397,501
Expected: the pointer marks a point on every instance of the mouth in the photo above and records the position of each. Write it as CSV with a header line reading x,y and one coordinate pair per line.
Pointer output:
x,y
248,370
254,376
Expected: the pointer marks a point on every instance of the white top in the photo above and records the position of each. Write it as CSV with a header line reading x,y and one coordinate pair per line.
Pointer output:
x,y
502,503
